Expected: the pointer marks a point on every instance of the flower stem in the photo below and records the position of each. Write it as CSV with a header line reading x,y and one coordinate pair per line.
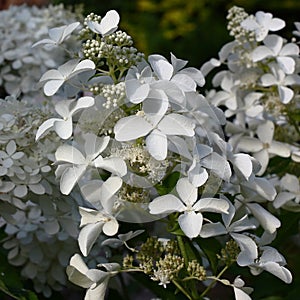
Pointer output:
x,y
182,289
214,281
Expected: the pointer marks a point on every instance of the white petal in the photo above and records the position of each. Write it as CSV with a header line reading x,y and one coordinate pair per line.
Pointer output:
x,y
248,249
52,86
268,80
263,158
83,102
212,229
287,64
260,53
279,271
184,82
177,63
76,272
289,49
266,219
157,144
250,144
276,24
175,124
283,198
195,74
88,236
190,223
135,91
265,132
111,227
197,175
69,154
115,165
51,75
186,191
280,149
286,94
166,204
108,189
97,292
130,128
240,294
45,127
162,68
70,177
109,22
64,128
242,164
212,205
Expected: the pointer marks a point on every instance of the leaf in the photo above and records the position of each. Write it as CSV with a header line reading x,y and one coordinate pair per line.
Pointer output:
x,y
210,246
168,184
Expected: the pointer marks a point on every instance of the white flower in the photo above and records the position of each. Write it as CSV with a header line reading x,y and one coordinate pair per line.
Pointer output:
x,y
154,124
274,47
240,291
271,261
247,245
290,190
94,280
66,109
58,34
264,146
108,24
281,80
191,220
73,164
262,24
54,79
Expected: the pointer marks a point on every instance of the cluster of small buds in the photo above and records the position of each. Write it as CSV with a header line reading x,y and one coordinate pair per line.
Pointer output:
x,y
92,49
128,261
114,94
133,194
152,250
166,269
119,38
229,253
196,270
236,15
112,50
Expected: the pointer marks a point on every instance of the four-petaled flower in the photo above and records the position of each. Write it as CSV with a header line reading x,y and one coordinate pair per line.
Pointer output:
x,y
191,220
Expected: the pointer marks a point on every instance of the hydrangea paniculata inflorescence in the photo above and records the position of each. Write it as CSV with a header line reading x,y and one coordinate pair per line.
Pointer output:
x,y
147,147
21,65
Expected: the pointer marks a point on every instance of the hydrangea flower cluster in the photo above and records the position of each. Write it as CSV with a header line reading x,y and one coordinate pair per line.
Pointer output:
x,y
259,92
146,149
39,222
20,64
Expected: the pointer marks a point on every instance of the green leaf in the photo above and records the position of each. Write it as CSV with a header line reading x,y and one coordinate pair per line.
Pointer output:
x,y
168,184
210,247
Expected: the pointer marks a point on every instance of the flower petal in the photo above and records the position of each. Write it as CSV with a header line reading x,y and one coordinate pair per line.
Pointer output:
x,y
191,223
166,204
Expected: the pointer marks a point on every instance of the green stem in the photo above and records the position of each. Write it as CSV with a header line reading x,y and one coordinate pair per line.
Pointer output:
x,y
182,249
214,281
182,289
